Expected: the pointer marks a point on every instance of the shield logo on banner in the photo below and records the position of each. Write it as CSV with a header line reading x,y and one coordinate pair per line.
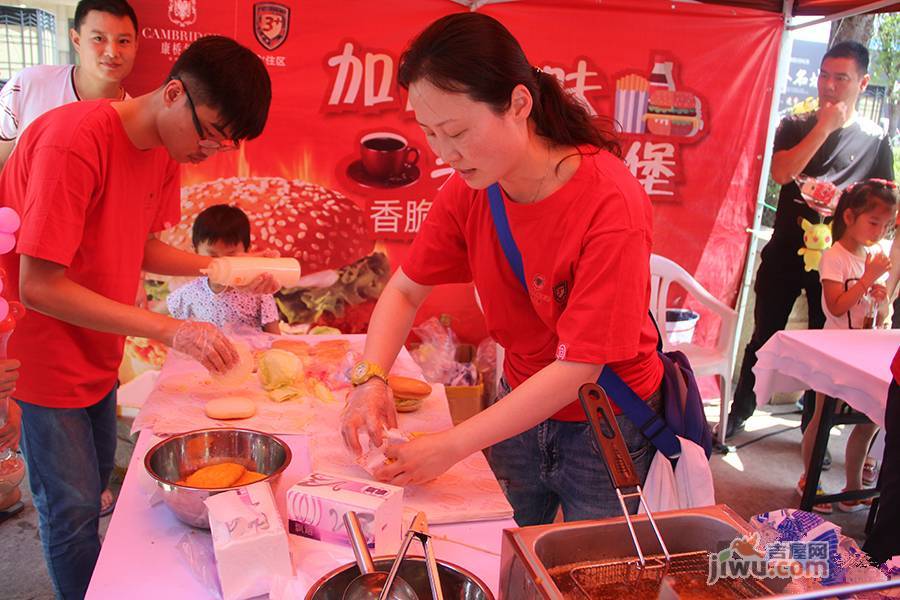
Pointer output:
x,y
270,24
183,12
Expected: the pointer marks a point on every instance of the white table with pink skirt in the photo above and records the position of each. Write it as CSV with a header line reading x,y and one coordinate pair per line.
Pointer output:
x,y
148,553
848,365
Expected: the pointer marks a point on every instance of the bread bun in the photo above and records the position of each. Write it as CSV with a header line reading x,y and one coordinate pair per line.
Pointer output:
x,y
409,393
230,408
298,347
407,387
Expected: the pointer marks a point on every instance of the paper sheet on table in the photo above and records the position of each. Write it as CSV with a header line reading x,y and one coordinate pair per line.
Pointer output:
x,y
183,388
467,492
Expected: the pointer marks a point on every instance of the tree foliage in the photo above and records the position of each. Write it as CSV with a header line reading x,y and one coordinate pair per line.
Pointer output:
x,y
886,42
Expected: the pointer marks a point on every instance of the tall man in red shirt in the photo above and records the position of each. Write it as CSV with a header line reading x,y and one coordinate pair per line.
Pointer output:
x,y
94,181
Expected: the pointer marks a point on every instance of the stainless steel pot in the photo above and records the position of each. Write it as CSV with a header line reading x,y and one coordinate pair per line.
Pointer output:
x,y
456,582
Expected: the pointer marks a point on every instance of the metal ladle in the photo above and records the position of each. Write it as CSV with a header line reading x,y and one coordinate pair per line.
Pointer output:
x,y
369,584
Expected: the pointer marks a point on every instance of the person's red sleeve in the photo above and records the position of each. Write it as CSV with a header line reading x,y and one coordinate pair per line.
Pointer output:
x,y
58,196
439,252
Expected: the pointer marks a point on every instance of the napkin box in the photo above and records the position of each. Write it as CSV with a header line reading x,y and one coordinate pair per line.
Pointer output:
x,y
316,507
249,541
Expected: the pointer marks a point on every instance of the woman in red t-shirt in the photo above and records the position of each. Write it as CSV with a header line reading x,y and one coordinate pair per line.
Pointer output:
x,y
583,224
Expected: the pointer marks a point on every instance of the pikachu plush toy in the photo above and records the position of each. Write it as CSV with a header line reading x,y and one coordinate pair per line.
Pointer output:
x,y
816,239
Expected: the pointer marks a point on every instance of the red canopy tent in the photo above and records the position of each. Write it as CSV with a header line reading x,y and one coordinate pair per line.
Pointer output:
x,y
814,7
828,10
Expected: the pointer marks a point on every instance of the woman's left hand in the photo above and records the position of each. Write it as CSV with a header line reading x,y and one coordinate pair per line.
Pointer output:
x,y
420,460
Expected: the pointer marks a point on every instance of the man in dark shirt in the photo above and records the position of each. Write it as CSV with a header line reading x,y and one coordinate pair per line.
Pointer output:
x,y
832,144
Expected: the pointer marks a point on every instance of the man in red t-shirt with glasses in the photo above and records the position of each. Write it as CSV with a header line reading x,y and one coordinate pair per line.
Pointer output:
x,y
94,182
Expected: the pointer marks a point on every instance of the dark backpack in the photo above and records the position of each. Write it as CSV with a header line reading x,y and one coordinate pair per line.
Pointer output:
x,y
683,407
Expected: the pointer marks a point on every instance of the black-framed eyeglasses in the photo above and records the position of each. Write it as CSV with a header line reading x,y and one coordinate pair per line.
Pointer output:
x,y
205,143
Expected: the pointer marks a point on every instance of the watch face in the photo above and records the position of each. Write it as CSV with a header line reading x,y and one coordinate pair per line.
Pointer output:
x,y
359,370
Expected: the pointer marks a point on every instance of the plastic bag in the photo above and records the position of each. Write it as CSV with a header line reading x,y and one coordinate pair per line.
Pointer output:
x,y
847,563
486,360
486,357
689,485
373,456
196,549
462,374
437,353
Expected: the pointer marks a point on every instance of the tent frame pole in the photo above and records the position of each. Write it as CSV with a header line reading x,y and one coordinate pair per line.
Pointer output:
x,y
851,12
781,71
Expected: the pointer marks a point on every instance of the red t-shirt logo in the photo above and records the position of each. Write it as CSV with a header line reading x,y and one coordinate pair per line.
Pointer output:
x,y
561,292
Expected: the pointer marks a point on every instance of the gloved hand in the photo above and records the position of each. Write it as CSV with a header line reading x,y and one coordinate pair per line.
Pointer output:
x,y
370,407
206,344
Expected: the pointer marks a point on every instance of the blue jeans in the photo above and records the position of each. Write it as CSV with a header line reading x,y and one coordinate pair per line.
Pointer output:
x,y
559,463
70,454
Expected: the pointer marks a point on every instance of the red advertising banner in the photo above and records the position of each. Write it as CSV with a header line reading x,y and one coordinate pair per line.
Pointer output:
x,y
343,177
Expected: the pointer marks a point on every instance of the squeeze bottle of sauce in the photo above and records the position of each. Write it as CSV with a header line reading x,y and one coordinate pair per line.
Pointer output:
x,y
236,271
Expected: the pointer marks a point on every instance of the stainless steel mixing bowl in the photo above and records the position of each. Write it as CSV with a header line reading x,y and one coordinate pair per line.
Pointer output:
x,y
173,459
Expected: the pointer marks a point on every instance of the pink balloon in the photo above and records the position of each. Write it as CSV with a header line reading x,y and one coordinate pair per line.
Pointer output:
x,y
7,243
9,220
4,309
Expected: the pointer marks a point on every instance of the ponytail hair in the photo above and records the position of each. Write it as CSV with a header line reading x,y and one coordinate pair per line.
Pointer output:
x,y
861,197
476,55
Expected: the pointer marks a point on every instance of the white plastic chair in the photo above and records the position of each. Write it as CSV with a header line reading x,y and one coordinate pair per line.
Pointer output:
x,y
704,360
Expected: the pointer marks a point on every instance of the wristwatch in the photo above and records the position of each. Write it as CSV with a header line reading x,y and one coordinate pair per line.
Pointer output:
x,y
364,371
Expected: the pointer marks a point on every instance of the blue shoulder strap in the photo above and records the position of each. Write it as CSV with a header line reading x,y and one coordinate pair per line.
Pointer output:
x,y
652,425
501,224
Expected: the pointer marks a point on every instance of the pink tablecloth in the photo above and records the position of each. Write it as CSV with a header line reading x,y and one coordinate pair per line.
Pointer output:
x,y
853,365
139,558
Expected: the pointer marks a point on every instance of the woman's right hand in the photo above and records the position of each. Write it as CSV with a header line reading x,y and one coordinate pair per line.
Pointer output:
x,y
876,266
206,344
370,408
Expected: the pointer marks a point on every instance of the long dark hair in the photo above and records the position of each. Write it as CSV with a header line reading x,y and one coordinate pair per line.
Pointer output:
x,y
476,55
861,197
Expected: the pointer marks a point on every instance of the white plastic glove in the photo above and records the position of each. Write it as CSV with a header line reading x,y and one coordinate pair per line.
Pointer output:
x,y
370,408
206,344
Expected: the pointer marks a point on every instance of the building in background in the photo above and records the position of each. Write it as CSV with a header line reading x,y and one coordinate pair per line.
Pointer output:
x,y
35,33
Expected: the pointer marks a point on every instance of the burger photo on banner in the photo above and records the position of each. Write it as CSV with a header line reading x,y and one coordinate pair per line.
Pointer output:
x,y
321,228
